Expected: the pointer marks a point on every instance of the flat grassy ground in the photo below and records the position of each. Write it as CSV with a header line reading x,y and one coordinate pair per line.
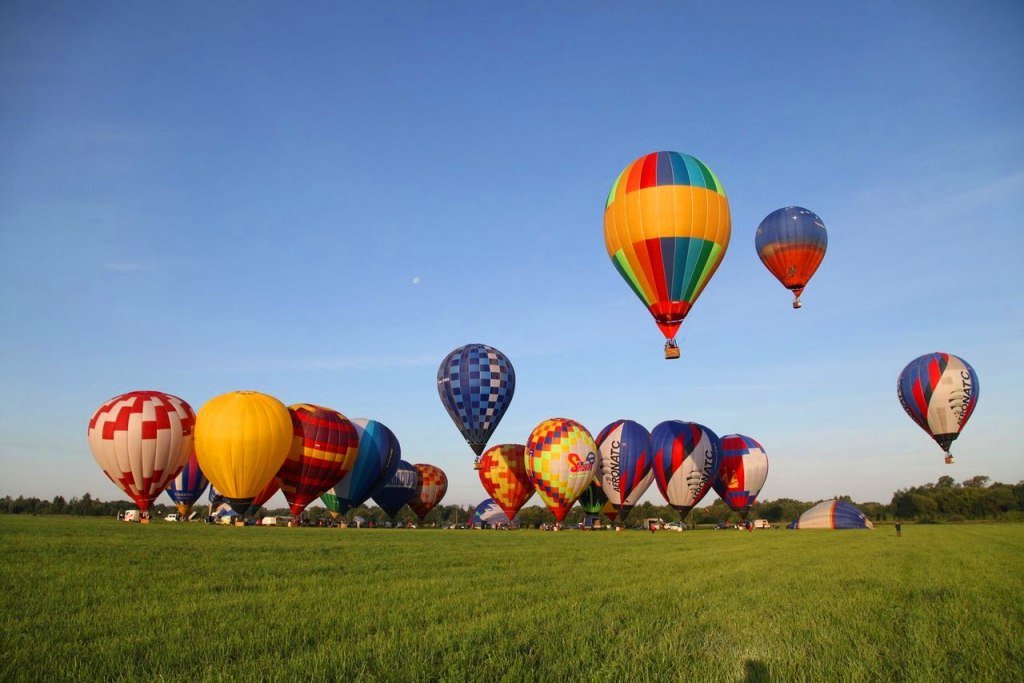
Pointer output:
x,y
97,599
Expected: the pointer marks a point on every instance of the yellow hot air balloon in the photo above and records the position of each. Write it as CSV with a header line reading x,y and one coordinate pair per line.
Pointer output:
x,y
241,439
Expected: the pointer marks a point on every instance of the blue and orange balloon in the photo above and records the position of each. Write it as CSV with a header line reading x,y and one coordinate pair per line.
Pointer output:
x,y
666,229
791,243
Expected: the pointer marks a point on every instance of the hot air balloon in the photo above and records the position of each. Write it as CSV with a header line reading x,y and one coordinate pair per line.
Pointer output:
x,y
939,391
489,512
503,475
791,243
376,462
141,440
330,502
833,514
262,497
666,228
624,464
561,460
742,472
593,498
242,439
187,487
686,460
398,490
323,450
433,485
476,383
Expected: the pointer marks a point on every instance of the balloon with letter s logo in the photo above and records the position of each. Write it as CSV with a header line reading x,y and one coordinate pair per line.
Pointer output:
x,y
560,460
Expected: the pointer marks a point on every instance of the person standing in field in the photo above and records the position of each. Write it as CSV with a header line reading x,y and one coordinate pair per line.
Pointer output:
x,y
899,529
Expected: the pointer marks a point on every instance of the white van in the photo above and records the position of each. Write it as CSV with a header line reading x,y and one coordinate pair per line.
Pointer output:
x,y
173,517
762,524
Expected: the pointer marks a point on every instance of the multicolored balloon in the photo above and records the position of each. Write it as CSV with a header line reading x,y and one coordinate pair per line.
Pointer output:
x,y
686,460
593,498
242,439
624,464
489,512
398,490
324,446
742,473
503,475
141,440
791,243
476,383
433,485
188,486
561,460
666,229
376,462
939,391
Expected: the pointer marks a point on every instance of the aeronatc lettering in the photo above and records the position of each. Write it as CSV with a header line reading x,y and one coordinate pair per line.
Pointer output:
x,y
961,399
615,451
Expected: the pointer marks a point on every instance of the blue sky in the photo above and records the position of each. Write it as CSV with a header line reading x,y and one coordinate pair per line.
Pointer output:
x,y
201,197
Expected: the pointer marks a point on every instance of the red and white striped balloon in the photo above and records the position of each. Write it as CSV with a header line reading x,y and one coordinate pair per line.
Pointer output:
x,y
142,439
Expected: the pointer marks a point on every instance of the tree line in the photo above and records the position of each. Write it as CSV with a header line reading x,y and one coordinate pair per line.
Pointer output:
x,y
946,500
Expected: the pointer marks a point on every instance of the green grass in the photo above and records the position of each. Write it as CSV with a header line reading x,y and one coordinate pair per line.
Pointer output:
x,y
96,599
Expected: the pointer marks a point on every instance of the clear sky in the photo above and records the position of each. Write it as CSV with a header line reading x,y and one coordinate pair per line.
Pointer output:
x,y
320,200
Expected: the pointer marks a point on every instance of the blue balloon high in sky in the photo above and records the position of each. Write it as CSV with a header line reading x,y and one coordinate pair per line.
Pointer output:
x,y
476,383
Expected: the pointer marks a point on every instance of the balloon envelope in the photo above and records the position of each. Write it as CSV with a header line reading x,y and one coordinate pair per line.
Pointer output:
x,y
666,229
593,498
432,487
742,473
375,463
624,463
476,383
324,446
503,475
791,243
398,490
490,513
939,392
686,460
833,514
561,461
141,440
186,488
242,439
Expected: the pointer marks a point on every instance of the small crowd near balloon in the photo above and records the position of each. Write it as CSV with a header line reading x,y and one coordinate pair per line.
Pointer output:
x,y
667,227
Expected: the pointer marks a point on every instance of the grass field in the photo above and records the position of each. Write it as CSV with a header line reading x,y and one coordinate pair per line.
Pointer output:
x,y
96,599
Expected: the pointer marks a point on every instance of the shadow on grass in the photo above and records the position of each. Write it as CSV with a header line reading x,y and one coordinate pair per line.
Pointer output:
x,y
755,672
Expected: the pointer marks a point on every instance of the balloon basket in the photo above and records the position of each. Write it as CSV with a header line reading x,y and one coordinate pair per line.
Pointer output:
x,y
671,350
797,304
144,520
239,522
949,458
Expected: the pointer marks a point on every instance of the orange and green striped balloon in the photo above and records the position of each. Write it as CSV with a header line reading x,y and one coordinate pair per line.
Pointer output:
x,y
666,228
